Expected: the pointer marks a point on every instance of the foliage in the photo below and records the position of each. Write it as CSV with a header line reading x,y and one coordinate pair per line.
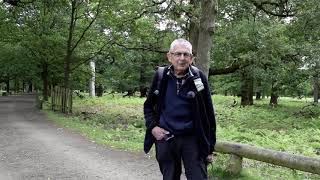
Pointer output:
x,y
127,40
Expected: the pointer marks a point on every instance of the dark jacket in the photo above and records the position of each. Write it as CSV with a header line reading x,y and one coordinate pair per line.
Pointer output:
x,y
203,115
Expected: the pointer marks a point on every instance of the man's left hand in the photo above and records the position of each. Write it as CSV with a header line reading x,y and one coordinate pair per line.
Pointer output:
x,y
209,159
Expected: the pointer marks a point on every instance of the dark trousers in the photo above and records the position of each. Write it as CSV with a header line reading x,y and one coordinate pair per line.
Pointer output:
x,y
170,153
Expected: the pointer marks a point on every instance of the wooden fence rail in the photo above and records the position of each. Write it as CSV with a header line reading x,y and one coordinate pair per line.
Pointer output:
x,y
61,99
238,151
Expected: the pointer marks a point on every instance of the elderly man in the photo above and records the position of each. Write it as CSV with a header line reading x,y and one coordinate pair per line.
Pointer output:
x,y
179,116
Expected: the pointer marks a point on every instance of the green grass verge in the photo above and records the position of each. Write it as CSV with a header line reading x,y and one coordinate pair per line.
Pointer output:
x,y
125,138
293,126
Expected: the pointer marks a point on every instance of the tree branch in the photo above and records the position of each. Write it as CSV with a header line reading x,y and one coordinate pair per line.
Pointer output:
x,y
150,48
261,5
227,70
160,2
145,11
88,27
18,2
95,54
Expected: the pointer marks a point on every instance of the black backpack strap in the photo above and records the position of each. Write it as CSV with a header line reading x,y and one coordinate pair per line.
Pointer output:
x,y
160,72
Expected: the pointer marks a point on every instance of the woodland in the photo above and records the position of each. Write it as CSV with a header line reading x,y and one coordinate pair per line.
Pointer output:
x,y
261,57
248,48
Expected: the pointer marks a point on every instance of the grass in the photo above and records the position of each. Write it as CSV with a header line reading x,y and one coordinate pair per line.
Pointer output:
x,y
120,137
293,126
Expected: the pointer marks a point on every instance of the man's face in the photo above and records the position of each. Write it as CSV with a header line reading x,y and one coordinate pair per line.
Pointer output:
x,y
180,58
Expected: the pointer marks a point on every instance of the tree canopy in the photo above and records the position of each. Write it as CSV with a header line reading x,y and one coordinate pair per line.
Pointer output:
x,y
247,48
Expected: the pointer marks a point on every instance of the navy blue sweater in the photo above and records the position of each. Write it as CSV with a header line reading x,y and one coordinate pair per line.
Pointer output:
x,y
176,117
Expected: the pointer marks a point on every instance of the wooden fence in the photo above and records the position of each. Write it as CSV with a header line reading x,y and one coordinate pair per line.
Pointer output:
x,y
61,99
292,161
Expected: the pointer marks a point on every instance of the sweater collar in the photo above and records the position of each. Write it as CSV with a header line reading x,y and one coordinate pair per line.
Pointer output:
x,y
188,74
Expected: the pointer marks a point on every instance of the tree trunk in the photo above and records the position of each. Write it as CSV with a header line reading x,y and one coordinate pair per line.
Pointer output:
x,y
30,87
258,90
92,87
206,30
194,30
8,86
143,91
99,90
316,84
67,59
23,86
273,100
67,64
70,48
142,87
258,95
247,90
194,36
274,95
16,85
316,87
45,75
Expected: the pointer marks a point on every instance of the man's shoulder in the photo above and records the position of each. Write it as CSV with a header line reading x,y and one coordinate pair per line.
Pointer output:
x,y
160,70
195,70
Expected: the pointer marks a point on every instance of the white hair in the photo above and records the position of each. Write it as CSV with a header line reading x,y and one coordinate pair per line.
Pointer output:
x,y
182,42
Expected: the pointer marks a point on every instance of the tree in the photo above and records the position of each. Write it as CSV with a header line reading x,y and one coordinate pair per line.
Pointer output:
x,y
77,9
92,79
206,30
305,31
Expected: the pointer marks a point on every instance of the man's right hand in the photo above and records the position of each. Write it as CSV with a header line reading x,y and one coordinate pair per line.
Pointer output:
x,y
159,133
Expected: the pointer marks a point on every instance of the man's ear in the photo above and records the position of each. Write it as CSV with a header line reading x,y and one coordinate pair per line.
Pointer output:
x,y
169,57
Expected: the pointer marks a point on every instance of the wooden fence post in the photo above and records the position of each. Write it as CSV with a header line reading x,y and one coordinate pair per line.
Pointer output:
x,y
235,164
61,99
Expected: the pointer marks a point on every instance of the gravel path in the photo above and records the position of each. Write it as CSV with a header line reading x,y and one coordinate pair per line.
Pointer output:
x,y
32,147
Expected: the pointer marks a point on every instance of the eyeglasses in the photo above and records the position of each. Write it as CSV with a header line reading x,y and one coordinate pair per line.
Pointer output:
x,y
178,54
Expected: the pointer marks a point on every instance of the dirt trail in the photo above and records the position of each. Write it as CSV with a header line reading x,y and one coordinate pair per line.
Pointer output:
x,y
32,147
